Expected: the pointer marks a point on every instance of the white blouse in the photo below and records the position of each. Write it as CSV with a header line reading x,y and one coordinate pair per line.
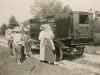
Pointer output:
x,y
48,34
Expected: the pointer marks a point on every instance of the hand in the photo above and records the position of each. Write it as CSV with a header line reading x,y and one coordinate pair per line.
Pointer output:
x,y
53,47
54,51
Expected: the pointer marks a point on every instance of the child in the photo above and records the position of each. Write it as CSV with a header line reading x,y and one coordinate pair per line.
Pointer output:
x,y
17,44
27,45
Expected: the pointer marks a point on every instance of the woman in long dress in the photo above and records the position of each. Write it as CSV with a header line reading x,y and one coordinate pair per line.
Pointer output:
x,y
50,57
48,45
42,43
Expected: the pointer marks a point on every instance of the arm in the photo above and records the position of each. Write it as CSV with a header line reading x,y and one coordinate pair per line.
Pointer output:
x,y
52,35
51,39
52,43
41,35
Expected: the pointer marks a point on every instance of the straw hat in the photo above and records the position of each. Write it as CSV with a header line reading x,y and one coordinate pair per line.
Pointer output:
x,y
45,26
16,29
42,27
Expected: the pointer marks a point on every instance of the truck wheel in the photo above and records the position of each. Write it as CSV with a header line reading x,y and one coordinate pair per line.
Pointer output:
x,y
59,53
79,52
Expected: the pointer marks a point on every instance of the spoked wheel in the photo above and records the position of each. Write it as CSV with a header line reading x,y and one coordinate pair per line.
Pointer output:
x,y
59,53
79,51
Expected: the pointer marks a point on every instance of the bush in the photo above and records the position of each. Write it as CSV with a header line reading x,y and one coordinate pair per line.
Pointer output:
x,y
3,29
97,39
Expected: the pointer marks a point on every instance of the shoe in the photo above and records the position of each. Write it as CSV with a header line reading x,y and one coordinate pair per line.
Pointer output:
x,y
26,56
49,62
19,62
56,63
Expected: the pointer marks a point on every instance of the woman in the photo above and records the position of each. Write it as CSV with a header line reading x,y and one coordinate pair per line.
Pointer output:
x,y
47,44
42,42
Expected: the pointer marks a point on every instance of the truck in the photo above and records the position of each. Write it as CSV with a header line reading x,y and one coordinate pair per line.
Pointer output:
x,y
71,32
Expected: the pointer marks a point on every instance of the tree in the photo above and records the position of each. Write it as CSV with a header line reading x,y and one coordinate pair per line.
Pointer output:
x,y
12,22
65,12
3,28
46,7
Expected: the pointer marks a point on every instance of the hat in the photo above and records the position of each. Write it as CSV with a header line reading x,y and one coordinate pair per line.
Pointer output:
x,y
42,27
17,29
45,26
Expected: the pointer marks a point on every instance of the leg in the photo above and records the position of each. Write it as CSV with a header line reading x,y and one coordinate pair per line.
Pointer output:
x,y
27,48
10,47
18,53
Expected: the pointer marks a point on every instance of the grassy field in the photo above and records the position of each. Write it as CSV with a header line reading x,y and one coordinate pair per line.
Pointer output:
x,y
8,65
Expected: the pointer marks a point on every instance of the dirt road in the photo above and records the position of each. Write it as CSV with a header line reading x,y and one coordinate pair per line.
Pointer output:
x,y
88,64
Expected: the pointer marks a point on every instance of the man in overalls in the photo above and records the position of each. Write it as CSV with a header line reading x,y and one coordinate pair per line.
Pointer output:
x,y
17,44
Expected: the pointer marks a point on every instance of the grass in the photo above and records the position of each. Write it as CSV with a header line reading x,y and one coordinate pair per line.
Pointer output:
x,y
3,64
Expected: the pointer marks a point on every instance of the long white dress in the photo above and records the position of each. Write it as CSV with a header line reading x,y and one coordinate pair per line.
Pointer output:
x,y
42,43
43,37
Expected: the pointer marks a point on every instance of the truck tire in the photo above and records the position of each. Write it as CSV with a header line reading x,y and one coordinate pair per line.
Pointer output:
x,y
59,53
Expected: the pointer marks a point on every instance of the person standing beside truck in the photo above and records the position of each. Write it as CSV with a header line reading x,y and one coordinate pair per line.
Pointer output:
x,y
8,36
27,43
47,45
42,43
50,56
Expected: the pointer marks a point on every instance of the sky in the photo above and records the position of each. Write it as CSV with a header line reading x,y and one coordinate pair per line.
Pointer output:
x,y
83,5
21,8
18,8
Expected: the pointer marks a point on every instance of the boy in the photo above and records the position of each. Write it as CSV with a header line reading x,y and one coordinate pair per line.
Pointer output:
x,y
27,44
17,44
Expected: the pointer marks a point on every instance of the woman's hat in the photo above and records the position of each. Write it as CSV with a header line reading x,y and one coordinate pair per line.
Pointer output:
x,y
45,26
42,27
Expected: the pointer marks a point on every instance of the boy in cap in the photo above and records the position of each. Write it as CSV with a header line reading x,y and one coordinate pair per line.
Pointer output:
x,y
17,44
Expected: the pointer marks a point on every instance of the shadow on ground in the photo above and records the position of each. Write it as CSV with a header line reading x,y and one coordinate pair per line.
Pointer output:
x,y
71,57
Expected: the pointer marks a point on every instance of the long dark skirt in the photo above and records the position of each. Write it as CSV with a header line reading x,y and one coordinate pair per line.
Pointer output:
x,y
27,48
49,52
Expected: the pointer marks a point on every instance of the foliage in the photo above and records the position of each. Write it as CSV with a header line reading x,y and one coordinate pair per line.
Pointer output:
x,y
65,13
3,28
46,7
12,22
